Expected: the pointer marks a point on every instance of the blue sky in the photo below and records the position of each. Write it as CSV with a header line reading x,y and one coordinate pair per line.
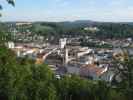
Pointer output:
x,y
68,10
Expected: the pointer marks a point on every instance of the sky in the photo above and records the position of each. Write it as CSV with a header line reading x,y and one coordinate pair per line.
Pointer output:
x,y
68,10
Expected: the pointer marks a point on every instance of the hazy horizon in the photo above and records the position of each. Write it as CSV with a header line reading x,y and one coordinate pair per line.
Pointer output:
x,y
68,10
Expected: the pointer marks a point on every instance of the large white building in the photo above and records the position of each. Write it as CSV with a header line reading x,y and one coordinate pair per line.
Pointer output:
x,y
62,43
10,45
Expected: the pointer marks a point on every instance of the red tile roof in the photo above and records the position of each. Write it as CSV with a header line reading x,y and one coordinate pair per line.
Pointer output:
x,y
91,68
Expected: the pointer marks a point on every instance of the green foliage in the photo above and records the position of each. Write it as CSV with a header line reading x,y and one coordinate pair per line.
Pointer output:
x,y
23,80
75,88
126,73
73,29
112,30
106,30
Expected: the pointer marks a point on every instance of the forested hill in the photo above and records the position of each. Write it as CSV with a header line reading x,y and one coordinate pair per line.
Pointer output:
x,y
76,28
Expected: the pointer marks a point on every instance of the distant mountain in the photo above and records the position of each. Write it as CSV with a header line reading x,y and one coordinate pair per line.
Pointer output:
x,y
77,23
84,21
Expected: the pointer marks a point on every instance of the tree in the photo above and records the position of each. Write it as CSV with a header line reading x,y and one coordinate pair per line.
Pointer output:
x,y
24,81
12,2
125,74
127,77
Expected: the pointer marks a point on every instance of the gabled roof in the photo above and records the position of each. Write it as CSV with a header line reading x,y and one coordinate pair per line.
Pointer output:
x,y
92,68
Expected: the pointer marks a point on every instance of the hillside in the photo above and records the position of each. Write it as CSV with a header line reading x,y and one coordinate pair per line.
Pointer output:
x,y
76,28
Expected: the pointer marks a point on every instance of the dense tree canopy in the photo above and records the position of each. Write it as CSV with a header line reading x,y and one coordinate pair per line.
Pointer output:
x,y
106,30
23,80
126,74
